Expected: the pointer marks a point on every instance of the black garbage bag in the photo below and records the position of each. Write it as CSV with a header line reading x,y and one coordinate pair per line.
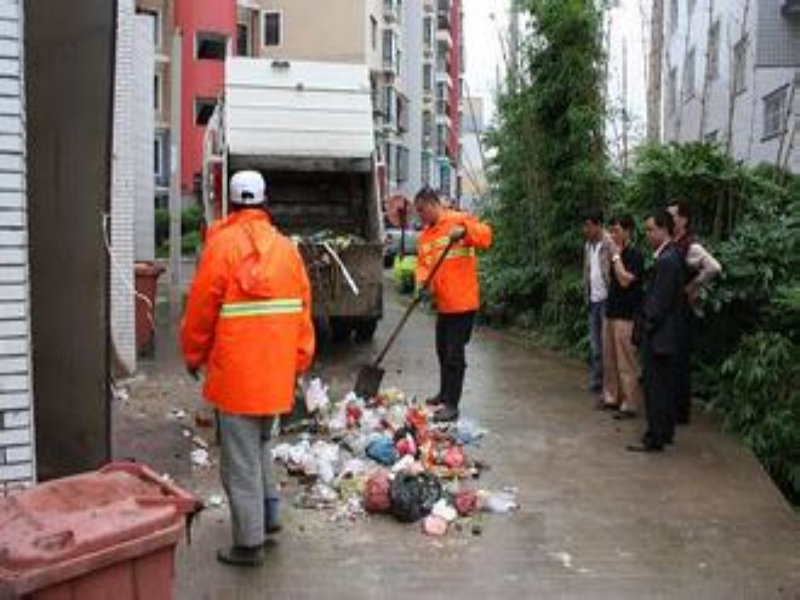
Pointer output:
x,y
413,496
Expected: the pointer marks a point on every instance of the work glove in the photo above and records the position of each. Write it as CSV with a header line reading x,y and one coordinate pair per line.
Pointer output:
x,y
458,233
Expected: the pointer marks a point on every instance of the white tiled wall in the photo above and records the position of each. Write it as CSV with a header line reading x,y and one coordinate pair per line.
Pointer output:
x,y
17,455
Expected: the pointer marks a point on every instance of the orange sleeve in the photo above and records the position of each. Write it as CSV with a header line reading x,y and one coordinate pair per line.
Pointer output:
x,y
479,235
202,310
422,270
306,344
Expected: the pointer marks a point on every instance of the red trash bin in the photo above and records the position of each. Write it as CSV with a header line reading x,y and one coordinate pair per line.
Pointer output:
x,y
107,534
147,274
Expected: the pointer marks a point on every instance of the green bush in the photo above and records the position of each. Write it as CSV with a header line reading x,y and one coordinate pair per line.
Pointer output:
x,y
759,400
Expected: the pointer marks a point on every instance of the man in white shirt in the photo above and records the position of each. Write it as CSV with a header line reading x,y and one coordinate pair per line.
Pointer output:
x,y
596,280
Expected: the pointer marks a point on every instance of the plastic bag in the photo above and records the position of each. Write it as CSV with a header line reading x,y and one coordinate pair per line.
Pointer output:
x,y
376,495
317,396
382,451
413,496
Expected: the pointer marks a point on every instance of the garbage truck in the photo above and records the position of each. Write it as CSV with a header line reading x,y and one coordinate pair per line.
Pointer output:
x,y
308,128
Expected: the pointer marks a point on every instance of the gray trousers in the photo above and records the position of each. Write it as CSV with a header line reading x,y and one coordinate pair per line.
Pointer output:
x,y
246,472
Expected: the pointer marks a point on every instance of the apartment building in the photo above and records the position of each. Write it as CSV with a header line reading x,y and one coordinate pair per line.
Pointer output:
x,y
731,75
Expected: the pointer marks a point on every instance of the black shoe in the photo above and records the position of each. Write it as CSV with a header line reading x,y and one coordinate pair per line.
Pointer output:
x,y
603,405
273,528
241,556
448,414
645,447
625,415
434,401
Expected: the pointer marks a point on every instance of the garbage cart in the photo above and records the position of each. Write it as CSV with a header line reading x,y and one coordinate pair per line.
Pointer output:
x,y
106,534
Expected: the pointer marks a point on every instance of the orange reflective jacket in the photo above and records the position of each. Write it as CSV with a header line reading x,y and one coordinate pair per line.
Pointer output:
x,y
248,318
455,286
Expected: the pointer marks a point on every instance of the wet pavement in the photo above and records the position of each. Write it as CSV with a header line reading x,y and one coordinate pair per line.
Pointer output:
x,y
701,521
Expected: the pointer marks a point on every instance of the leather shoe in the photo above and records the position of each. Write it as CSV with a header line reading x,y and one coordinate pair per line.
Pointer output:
x,y
241,556
434,401
625,415
645,447
448,414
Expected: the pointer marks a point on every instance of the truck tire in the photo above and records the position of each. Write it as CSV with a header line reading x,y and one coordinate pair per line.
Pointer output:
x,y
341,330
365,330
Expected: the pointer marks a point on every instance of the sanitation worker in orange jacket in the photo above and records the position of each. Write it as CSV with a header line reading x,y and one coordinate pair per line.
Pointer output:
x,y
248,324
454,288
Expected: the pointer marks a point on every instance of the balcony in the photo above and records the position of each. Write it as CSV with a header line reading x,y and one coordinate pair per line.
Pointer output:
x,y
445,39
390,11
444,78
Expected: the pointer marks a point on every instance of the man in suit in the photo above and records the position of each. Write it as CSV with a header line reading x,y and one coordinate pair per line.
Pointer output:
x,y
661,331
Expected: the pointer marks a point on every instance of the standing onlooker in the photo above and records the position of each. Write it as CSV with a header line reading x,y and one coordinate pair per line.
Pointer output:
x,y
620,361
661,324
596,279
701,269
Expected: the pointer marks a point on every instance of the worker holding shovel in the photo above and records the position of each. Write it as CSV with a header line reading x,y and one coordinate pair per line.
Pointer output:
x,y
453,237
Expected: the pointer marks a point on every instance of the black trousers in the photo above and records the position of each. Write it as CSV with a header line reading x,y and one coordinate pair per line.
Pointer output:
x,y
683,407
660,389
453,333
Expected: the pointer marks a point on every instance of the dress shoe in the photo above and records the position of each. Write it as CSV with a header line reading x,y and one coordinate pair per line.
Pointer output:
x,y
434,401
645,447
448,414
241,556
625,415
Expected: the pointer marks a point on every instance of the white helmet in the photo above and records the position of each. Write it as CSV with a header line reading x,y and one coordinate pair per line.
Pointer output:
x,y
248,189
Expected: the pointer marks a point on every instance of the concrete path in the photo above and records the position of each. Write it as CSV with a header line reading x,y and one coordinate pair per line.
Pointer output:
x,y
700,521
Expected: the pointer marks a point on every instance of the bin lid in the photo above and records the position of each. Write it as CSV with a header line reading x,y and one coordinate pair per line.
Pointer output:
x,y
68,518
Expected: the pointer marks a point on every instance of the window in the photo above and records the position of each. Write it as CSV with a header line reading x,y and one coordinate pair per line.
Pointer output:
x,y
390,51
427,78
203,109
428,32
713,52
390,113
156,23
672,91
243,44
689,75
402,162
158,158
157,92
775,112
273,34
712,137
740,66
210,46
373,32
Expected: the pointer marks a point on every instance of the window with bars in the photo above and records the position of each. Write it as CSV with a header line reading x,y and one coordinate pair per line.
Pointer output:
x,y
740,66
689,74
775,105
713,52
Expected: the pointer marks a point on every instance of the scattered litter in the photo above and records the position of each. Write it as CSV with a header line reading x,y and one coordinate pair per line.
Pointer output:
x,y
564,557
200,458
177,414
215,501
317,396
381,455
200,442
434,525
204,419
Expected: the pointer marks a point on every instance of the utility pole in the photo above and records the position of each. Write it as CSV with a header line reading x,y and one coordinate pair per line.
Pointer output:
x,y
175,204
654,87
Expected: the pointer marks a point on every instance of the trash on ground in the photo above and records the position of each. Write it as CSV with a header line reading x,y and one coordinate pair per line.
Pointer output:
x,y
215,501
355,457
177,414
200,458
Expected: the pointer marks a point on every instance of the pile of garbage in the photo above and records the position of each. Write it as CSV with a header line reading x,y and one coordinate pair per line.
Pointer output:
x,y
383,456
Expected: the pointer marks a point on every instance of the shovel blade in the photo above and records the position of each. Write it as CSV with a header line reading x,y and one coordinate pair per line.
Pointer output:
x,y
369,381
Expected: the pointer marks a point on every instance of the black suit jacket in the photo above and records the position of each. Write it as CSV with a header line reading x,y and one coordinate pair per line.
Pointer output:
x,y
662,311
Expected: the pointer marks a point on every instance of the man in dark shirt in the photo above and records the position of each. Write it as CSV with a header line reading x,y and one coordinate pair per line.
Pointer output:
x,y
621,388
661,329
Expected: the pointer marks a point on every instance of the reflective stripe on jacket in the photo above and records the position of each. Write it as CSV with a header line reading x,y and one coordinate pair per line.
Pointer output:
x,y
248,317
455,286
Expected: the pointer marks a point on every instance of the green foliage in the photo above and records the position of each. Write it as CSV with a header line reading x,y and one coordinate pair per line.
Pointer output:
x,y
191,220
549,168
759,400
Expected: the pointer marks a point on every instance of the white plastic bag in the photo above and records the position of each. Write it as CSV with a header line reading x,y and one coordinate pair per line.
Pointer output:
x,y
317,396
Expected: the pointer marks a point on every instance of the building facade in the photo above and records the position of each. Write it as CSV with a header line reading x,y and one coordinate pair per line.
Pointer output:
x,y
17,456
731,76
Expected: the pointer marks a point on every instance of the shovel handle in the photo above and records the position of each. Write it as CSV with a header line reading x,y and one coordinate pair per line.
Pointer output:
x,y
417,299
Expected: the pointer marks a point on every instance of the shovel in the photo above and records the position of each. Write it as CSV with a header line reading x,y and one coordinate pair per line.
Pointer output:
x,y
370,377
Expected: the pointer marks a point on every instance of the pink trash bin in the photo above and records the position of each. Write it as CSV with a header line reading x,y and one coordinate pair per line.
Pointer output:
x,y
107,534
